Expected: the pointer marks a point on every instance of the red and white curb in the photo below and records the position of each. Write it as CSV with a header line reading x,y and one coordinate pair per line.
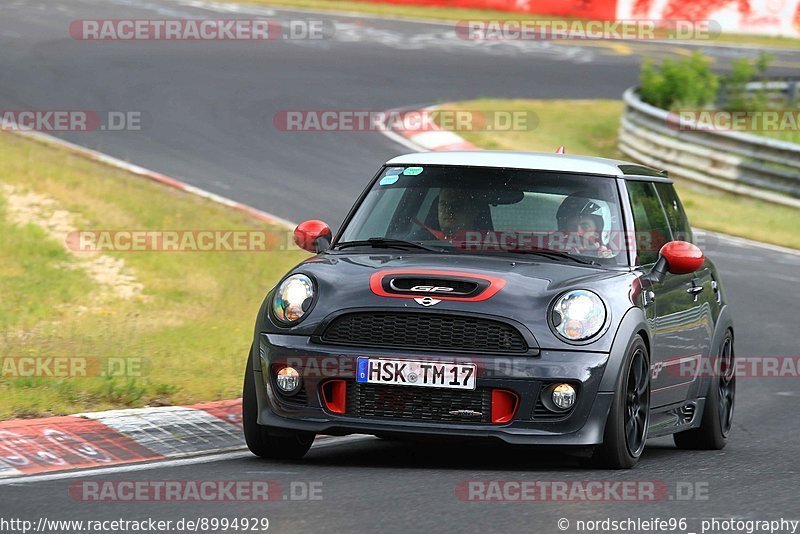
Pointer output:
x,y
433,139
102,439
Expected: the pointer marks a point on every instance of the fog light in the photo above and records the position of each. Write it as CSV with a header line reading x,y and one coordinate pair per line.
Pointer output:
x,y
564,396
288,380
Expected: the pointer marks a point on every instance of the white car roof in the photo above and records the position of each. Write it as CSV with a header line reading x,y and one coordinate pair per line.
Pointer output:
x,y
527,160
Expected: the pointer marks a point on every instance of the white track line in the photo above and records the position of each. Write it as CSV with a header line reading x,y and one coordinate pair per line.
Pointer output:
x,y
749,242
159,464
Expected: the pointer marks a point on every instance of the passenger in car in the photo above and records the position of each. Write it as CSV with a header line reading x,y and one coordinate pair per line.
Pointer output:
x,y
580,224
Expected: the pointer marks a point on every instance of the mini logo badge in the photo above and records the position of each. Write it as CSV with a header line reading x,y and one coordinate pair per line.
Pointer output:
x,y
427,301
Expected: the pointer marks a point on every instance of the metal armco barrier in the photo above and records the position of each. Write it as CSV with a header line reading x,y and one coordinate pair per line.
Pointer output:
x,y
741,163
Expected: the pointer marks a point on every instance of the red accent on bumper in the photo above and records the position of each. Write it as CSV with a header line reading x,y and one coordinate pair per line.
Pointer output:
x,y
504,405
334,395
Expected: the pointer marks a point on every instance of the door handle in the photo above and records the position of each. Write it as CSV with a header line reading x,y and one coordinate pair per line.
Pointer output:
x,y
696,289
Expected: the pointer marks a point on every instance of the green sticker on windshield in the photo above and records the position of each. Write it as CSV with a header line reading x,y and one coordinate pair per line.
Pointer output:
x,y
412,171
389,180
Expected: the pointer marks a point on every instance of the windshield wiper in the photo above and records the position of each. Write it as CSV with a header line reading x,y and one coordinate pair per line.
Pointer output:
x,y
383,242
555,254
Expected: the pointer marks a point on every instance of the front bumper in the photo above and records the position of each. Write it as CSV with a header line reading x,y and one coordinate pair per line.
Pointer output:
x,y
525,376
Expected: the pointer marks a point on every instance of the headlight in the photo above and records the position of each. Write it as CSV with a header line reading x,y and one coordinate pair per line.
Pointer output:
x,y
578,315
293,298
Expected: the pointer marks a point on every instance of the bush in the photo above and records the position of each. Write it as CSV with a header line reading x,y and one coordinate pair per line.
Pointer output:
x,y
743,71
686,83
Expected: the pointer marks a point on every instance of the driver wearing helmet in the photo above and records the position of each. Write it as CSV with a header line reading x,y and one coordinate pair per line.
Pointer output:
x,y
457,211
580,222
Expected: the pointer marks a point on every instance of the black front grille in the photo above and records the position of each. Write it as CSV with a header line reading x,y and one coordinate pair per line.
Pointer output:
x,y
424,331
419,404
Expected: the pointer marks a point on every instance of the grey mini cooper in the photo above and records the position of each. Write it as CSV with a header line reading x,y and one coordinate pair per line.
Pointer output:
x,y
536,299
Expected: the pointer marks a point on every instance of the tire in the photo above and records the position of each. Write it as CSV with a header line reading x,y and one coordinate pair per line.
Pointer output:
x,y
263,441
712,434
626,429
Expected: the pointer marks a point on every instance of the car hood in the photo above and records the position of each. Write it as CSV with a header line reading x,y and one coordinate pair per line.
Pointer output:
x,y
349,282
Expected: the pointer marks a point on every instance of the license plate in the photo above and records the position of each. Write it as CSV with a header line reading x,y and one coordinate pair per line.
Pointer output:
x,y
416,373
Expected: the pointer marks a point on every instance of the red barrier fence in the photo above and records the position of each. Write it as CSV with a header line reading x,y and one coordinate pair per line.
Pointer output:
x,y
767,17
590,9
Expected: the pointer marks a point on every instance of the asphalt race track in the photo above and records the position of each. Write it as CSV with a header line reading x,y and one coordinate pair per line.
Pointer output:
x,y
208,110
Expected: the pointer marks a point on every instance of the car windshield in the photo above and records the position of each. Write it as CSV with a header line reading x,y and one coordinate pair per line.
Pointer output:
x,y
456,209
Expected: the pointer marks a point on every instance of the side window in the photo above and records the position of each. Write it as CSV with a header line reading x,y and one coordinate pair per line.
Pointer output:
x,y
652,230
678,222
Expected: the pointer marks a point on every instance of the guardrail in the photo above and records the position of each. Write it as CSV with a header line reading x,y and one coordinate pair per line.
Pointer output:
x,y
746,164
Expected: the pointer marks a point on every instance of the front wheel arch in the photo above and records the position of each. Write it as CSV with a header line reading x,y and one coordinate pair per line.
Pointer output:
x,y
629,416
633,323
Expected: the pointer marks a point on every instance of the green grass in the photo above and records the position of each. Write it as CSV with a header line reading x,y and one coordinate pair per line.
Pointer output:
x,y
455,14
190,327
590,127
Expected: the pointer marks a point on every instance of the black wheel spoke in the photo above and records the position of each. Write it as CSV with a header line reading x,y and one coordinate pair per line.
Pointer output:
x,y
642,379
727,386
726,362
632,433
637,402
640,418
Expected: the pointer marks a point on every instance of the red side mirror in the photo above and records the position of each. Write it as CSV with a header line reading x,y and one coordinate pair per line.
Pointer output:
x,y
682,257
313,236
